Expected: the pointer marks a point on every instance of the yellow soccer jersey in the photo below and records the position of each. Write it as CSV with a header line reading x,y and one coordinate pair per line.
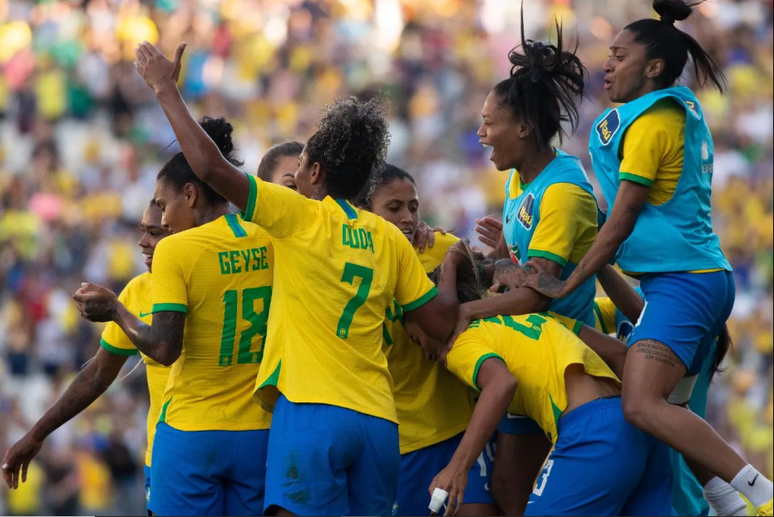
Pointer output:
x,y
337,269
220,275
137,297
568,222
604,315
432,404
653,150
432,257
537,350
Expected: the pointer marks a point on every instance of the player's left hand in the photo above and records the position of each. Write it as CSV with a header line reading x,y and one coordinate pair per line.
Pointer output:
x,y
154,67
545,283
96,303
453,479
425,236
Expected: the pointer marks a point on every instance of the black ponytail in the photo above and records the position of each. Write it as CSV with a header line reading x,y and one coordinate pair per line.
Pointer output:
x,y
177,172
545,86
723,345
665,41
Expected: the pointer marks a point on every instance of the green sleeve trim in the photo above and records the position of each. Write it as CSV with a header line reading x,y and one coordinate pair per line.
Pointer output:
x,y
117,351
169,307
553,257
577,327
252,196
601,320
236,228
273,378
419,302
478,367
163,414
635,179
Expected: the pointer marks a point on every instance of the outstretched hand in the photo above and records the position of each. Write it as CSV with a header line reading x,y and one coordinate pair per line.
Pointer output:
x,y
18,459
544,283
155,68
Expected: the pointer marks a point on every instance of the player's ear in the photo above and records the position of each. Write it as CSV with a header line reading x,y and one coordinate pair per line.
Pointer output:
x,y
191,194
653,68
316,174
523,130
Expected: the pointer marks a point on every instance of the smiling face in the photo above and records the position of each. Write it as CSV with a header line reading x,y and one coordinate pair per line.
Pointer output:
x,y
500,131
152,233
629,74
397,202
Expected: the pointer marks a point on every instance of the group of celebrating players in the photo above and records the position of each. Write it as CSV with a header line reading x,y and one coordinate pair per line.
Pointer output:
x,y
325,353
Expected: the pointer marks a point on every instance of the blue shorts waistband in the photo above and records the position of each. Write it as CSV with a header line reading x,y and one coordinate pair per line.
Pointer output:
x,y
588,409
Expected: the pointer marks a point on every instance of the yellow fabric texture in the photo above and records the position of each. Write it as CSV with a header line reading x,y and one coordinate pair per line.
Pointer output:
x,y
137,297
432,404
220,275
653,150
537,350
338,268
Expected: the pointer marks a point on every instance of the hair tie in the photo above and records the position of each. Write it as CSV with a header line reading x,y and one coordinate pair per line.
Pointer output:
x,y
667,19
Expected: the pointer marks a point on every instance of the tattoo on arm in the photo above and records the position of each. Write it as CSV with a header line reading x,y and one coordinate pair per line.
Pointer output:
x,y
162,341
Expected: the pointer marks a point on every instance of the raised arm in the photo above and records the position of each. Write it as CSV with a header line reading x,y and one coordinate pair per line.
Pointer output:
x,y
162,341
623,296
88,385
200,151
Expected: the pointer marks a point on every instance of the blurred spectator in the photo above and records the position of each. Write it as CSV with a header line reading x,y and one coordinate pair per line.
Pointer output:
x,y
81,140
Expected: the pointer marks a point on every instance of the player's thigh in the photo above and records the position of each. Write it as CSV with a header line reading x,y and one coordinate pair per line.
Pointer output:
x,y
188,469
244,492
596,463
372,479
654,493
310,448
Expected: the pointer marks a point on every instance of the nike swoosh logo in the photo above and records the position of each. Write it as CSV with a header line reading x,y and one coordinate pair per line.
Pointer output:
x,y
752,483
507,219
143,314
512,416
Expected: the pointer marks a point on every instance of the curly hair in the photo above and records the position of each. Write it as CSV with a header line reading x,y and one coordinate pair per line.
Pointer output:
x,y
350,145
545,85
177,172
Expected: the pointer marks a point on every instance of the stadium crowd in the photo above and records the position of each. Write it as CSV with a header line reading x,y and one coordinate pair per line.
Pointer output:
x,y
81,141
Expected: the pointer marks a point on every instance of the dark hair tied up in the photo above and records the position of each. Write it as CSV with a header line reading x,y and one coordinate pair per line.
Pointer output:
x,y
663,40
545,86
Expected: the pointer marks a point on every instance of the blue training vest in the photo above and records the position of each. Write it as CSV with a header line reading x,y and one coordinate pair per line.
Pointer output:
x,y
521,217
676,236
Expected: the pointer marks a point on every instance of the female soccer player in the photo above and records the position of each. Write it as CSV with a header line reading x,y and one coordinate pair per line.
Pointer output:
x,y
550,217
535,366
99,373
334,442
433,406
653,156
212,284
280,162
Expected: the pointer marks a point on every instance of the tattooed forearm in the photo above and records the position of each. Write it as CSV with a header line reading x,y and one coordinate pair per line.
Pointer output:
x,y
162,341
658,352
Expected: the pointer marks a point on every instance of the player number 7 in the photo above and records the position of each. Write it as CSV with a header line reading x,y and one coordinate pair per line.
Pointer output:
x,y
366,275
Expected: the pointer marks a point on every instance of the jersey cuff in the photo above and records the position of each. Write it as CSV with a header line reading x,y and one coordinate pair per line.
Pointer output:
x,y
169,307
553,257
478,367
419,302
252,196
577,327
601,319
126,352
635,179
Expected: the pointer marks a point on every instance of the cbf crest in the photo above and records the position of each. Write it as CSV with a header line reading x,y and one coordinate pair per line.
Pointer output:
x,y
608,127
